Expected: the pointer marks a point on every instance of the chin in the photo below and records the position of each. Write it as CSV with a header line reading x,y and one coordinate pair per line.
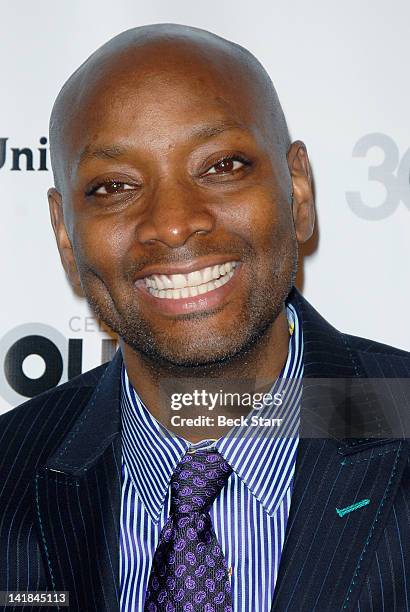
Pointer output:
x,y
197,356
212,352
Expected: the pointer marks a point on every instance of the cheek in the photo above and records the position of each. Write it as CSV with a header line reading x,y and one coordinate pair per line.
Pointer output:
x,y
101,244
261,218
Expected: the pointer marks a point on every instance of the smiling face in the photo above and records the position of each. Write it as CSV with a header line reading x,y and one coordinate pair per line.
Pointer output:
x,y
175,209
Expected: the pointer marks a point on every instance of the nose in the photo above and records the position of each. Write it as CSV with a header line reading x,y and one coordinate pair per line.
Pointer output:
x,y
174,213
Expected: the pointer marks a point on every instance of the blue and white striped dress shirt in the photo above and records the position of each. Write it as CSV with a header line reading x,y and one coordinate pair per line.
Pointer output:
x,y
250,514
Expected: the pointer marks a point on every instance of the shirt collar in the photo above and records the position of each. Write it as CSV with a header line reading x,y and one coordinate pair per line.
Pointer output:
x,y
264,457
265,463
150,452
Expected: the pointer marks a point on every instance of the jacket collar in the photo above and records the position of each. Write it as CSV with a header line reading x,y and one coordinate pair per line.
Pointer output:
x,y
96,428
340,402
347,474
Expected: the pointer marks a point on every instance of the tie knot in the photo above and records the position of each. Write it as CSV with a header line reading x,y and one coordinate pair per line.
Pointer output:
x,y
197,481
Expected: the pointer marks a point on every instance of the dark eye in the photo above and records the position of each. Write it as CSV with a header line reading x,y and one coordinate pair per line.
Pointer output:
x,y
225,166
111,187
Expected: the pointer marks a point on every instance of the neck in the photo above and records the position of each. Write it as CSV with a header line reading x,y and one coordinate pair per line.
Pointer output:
x,y
158,384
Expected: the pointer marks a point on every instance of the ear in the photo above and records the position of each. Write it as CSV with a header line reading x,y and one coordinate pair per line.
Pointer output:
x,y
63,242
303,199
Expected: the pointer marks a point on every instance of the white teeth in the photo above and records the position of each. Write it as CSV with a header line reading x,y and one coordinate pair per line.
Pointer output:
x,y
178,281
194,278
225,279
167,283
158,282
206,275
185,292
175,286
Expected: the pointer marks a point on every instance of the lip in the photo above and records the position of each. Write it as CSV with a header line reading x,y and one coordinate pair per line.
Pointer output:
x,y
186,268
200,303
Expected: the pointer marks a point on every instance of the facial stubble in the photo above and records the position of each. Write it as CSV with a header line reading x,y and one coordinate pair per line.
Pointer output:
x,y
202,350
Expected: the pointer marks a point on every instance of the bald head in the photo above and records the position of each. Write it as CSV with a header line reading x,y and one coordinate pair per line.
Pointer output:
x,y
166,55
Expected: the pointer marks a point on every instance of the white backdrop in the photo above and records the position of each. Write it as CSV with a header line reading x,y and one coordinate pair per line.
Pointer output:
x,y
341,71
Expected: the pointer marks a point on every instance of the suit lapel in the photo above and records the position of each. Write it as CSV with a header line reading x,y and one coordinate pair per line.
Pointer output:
x,y
77,497
326,556
327,553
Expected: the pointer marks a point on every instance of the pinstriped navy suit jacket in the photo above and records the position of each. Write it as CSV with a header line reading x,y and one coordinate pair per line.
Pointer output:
x,y
60,487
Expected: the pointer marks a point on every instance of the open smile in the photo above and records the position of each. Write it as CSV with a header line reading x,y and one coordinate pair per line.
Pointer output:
x,y
198,290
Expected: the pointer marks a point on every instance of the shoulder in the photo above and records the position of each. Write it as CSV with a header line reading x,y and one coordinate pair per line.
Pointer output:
x,y
365,345
373,348
31,432
327,339
379,360
52,404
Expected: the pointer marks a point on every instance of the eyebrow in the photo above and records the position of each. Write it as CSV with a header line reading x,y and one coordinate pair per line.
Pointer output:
x,y
198,133
102,152
207,131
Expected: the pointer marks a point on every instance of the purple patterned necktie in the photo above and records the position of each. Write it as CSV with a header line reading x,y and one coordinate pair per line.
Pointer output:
x,y
189,572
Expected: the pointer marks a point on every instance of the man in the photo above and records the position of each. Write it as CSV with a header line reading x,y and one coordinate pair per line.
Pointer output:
x,y
178,207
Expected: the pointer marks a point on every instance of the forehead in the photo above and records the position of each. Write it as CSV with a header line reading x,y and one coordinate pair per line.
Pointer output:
x,y
154,91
